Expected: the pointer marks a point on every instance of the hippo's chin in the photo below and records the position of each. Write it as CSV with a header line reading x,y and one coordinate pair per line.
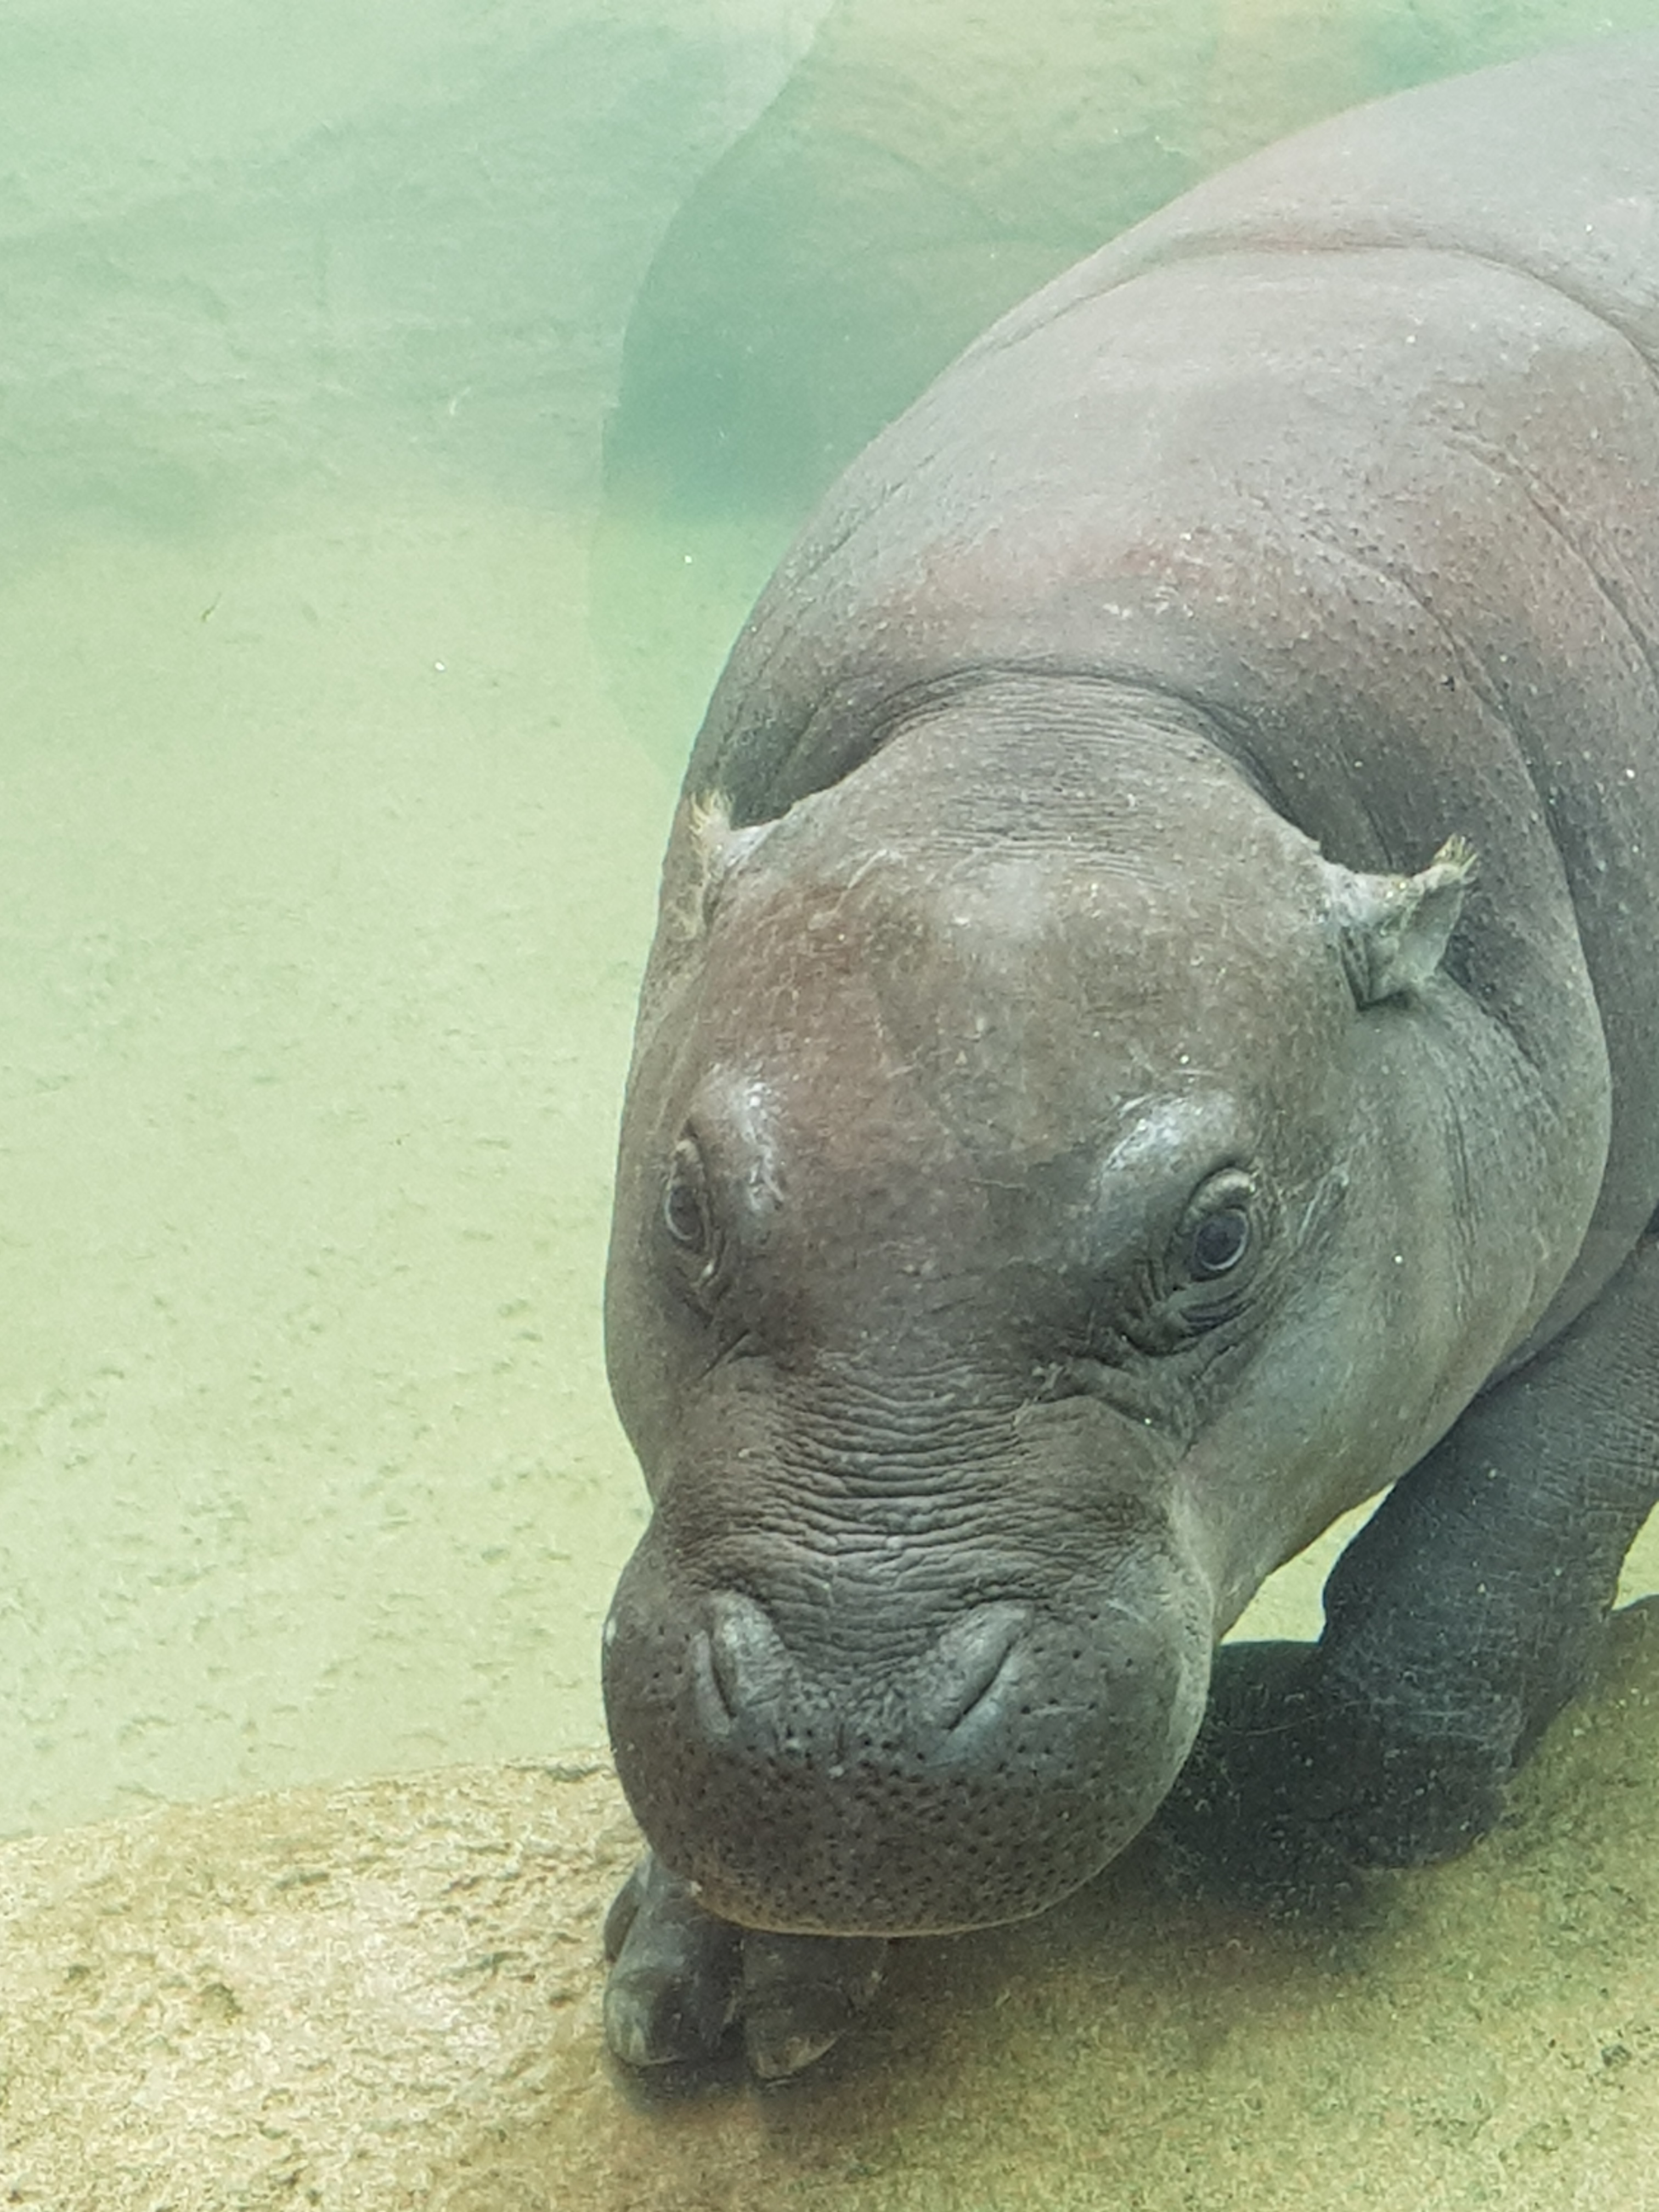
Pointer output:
x,y
961,1882
877,1849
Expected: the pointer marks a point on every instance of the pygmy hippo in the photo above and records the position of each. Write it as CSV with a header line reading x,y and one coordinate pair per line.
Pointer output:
x,y
1151,1040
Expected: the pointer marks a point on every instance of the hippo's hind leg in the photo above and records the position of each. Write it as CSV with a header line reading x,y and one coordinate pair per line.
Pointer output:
x,y
1458,1623
681,1979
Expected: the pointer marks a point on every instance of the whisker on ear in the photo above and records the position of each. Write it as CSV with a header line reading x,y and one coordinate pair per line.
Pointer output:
x,y
718,851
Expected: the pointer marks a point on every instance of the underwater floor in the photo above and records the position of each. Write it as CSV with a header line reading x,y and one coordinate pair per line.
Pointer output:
x,y
388,1996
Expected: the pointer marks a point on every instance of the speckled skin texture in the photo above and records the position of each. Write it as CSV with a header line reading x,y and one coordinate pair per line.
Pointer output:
x,y
1150,1041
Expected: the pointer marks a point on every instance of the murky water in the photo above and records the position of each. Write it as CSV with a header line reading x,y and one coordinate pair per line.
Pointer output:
x,y
329,865
340,709
329,874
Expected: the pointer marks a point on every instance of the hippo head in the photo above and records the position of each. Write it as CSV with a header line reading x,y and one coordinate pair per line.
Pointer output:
x,y
1030,1230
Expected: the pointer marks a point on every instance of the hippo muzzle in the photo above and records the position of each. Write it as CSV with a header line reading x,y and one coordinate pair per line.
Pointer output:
x,y
889,1732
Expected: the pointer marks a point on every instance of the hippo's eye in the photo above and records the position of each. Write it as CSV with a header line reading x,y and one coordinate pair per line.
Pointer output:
x,y
1217,1230
1220,1242
685,1201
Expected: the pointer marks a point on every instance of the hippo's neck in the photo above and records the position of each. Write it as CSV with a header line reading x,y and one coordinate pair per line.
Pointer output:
x,y
1066,759
1004,713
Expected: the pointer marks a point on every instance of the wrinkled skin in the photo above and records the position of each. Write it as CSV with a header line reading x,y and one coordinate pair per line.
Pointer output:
x,y
1149,1043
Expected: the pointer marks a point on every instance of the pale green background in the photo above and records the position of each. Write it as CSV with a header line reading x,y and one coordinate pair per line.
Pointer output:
x,y
342,693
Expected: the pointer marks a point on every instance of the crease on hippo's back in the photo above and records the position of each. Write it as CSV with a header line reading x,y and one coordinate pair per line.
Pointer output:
x,y
1221,246
1392,173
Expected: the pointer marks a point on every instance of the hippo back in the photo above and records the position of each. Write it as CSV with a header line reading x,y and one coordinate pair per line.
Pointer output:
x,y
1549,168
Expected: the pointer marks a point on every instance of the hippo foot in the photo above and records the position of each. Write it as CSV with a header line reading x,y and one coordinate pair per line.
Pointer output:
x,y
1290,1788
683,1981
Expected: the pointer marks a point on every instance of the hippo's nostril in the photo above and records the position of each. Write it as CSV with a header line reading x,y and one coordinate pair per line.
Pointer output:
x,y
738,1663
970,1664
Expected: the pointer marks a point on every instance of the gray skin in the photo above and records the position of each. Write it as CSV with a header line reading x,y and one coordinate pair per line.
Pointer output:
x,y
1151,1040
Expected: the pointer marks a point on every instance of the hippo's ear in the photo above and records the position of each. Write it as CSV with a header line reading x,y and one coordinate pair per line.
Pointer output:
x,y
1392,931
716,852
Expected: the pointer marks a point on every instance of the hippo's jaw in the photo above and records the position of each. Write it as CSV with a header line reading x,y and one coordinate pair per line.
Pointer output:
x,y
874,1772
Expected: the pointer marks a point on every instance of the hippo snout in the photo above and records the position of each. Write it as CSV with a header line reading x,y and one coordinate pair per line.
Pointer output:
x,y
750,1694
850,1770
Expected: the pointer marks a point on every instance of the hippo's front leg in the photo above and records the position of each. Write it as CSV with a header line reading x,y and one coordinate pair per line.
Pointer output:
x,y
681,1979
1458,1623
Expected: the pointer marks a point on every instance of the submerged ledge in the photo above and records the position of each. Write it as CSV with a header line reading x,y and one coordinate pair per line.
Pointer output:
x,y
387,1996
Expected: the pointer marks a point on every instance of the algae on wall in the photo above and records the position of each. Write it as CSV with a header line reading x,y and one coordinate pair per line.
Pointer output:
x,y
240,244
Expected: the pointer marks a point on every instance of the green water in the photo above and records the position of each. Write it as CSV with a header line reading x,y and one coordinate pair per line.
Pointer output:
x,y
397,406
328,867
